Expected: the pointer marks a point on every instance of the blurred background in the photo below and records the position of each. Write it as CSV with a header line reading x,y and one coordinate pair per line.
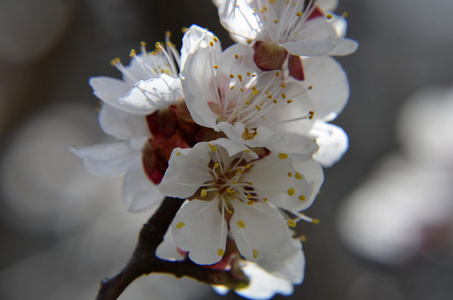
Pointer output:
x,y
386,208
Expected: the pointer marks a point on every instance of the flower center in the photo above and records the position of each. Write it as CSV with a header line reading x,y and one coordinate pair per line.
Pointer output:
x,y
228,182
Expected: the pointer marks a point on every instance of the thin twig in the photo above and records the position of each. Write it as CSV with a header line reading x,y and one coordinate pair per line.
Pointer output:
x,y
144,260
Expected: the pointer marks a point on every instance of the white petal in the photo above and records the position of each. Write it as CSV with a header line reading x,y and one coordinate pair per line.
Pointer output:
x,y
345,47
107,159
318,47
332,141
257,229
194,38
239,18
200,229
187,171
264,136
329,86
167,249
153,94
122,125
288,265
313,173
276,180
199,86
139,192
297,146
109,90
234,148
263,285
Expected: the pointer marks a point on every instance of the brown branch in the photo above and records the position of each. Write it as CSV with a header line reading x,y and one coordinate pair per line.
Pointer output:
x,y
144,260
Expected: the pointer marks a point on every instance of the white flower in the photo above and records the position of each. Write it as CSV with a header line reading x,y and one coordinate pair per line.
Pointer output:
x,y
150,83
236,194
298,26
227,92
279,27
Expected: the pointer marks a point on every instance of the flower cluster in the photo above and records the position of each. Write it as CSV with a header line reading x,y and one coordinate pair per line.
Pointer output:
x,y
238,134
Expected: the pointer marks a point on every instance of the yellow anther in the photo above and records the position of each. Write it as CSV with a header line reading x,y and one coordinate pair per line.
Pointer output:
x,y
178,153
241,89
250,183
133,53
310,87
302,198
211,43
256,92
142,43
282,155
315,221
255,253
236,56
291,223
216,66
345,14
249,196
231,76
240,171
216,165
291,191
213,148
158,45
275,100
289,101
299,14
265,8
277,74
153,52
249,41
248,73
220,252
230,211
254,75
247,166
312,114
258,107
247,102
180,225
203,193
250,202
184,29
229,190
283,85
283,96
271,1
241,224
261,10
275,21
329,16
240,77
168,34
115,61
265,199
290,174
298,175
247,151
215,39
232,87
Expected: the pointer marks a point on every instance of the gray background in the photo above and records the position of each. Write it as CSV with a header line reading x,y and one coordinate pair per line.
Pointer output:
x,y
49,49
